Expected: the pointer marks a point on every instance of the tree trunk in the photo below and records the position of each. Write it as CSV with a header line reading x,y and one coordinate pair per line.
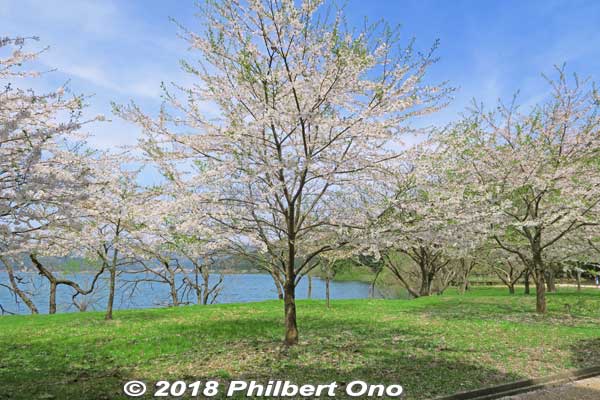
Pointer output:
x,y
15,288
465,285
172,284
540,284
52,303
551,284
205,284
527,289
196,286
511,288
206,293
54,282
426,282
540,295
111,292
466,273
174,298
277,282
309,294
372,288
113,274
578,277
327,291
279,290
289,288
291,329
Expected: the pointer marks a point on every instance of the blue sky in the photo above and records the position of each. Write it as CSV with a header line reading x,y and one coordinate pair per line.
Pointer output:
x,y
121,50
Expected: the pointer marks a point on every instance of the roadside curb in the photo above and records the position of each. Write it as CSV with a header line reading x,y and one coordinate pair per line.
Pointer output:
x,y
527,385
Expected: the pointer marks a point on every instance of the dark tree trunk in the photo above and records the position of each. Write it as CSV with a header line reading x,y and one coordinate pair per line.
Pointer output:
x,y
527,289
113,274
205,293
54,282
289,287
511,289
578,277
309,294
52,304
111,292
291,329
327,296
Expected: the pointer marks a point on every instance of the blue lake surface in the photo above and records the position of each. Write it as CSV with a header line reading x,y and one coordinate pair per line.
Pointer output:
x,y
236,288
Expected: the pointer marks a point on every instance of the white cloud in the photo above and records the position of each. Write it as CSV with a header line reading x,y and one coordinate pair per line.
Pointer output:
x,y
85,16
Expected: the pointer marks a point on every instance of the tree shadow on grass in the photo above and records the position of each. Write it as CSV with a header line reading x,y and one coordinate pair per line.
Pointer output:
x,y
225,343
568,307
422,378
328,352
77,384
586,353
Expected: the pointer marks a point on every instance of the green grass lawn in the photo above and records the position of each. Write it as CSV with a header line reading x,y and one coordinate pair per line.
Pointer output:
x,y
431,346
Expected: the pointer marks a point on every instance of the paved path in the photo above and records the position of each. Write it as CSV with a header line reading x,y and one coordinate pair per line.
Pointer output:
x,y
586,389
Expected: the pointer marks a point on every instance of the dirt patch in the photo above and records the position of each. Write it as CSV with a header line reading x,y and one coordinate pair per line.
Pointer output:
x,y
586,389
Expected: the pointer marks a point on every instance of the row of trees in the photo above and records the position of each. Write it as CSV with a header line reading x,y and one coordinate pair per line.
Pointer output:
x,y
60,198
519,191
304,165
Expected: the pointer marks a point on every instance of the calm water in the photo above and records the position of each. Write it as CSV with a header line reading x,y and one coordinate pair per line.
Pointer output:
x,y
236,288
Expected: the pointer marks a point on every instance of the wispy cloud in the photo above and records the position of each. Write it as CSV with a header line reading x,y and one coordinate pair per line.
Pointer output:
x,y
121,50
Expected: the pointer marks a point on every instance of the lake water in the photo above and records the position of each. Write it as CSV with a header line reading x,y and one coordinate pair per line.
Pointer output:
x,y
236,288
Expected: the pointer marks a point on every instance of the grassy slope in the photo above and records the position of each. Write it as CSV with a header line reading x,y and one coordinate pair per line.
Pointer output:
x,y
431,346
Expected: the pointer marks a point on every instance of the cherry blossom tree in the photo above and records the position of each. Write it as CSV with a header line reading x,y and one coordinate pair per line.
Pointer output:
x,y
109,230
107,217
466,266
73,231
508,269
329,264
41,169
576,253
40,135
535,175
424,228
177,234
307,108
